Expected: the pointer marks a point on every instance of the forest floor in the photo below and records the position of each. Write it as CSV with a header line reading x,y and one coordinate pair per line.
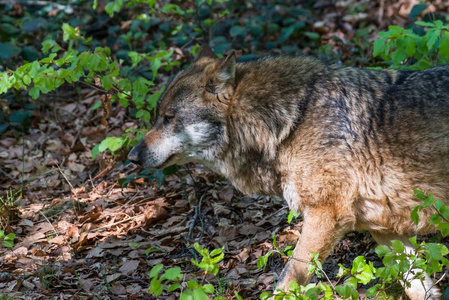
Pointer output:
x,y
80,235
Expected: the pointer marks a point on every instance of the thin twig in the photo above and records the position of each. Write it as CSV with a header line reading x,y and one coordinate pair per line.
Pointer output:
x,y
195,217
66,179
9,176
112,224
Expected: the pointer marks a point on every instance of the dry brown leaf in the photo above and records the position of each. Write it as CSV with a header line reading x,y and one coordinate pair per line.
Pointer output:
x,y
129,266
113,277
75,167
243,256
87,284
118,289
133,288
220,209
249,229
95,252
153,213
226,194
59,240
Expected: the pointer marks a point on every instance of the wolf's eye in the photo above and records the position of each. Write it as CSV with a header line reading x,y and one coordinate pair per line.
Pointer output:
x,y
168,119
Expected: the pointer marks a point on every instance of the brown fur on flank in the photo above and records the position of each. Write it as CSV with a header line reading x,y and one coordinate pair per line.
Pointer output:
x,y
344,146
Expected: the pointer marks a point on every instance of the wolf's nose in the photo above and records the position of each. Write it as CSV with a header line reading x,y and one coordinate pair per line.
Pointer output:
x,y
133,155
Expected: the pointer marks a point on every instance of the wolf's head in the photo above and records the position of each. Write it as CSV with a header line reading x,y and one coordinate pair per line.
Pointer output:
x,y
191,115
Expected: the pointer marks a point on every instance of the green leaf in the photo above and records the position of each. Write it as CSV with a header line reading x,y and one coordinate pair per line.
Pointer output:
x,y
266,295
238,31
398,246
382,250
107,82
173,273
379,47
172,8
351,282
198,294
398,56
312,35
240,297
70,32
173,287
8,50
144,114
425,24
95,151
34,68
286,32
444,228
414,242
216,252
444,45
208,288
192,284
186,295
8,244
372,291
432,37
155,286
34,92
435,219
434,251
155,65
292,215
155,270
111,143
343,290
415,216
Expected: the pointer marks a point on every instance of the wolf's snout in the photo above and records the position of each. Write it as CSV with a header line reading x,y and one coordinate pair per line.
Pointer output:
x,y
133,155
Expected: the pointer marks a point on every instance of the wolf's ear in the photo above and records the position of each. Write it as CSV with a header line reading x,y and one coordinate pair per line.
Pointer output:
x,y
226,70
221,83
205,51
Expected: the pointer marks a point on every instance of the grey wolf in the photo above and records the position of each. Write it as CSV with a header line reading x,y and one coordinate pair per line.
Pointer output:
x,y
344,146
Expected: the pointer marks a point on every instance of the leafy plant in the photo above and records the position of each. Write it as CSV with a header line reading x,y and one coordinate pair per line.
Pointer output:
x,y
401,265
7,240
292,215
263,259
171,279
441,216
403,48
9,211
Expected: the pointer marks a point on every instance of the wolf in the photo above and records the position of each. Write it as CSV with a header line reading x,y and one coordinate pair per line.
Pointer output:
x,y
345,146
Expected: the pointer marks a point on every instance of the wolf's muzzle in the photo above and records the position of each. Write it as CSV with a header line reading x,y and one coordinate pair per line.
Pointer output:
x,y
133,155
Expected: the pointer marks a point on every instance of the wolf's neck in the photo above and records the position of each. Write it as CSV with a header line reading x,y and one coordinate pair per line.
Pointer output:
x,y
269,102
249,173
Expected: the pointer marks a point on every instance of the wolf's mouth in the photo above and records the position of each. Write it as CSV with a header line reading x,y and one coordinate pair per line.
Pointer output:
x,y
165,163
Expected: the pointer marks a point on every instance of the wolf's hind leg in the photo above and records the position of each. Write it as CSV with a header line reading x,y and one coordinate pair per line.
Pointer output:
x,y
321,230
418,290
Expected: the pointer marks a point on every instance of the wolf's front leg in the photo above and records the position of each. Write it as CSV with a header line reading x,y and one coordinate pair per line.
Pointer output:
x,y
321,230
